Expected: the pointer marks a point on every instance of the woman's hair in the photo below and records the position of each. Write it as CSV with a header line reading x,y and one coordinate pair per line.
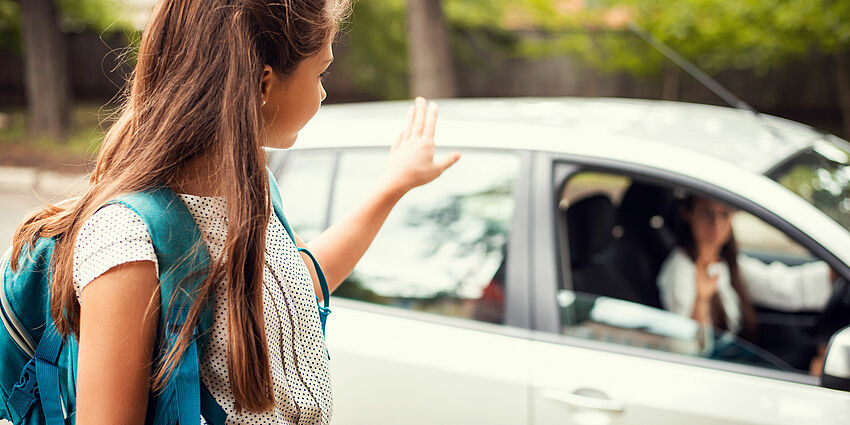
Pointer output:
x,y
729,253
195,92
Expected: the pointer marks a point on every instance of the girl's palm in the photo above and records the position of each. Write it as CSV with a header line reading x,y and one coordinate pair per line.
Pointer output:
x,y
412,161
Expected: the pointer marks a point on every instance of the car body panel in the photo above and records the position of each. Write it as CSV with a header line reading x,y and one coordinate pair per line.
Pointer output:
x,y
661,392
436,373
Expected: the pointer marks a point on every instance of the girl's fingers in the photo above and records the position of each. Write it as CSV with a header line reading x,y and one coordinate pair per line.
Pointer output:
x,y
397,142
408,129
448,161
431,121
419,119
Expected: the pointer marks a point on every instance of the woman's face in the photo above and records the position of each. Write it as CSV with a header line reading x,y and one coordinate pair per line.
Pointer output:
x,y
291,101
710,222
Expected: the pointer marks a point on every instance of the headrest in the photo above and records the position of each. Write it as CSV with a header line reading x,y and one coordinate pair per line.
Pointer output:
x,y
641,203
589,221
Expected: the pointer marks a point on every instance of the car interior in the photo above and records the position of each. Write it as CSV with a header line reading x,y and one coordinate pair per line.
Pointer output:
x,y
614,242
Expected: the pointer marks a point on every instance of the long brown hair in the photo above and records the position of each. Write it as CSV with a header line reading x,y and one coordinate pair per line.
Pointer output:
x,y
729,254
195,92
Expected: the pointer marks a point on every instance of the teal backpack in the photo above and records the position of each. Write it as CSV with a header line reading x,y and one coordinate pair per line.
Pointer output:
x,y
38,368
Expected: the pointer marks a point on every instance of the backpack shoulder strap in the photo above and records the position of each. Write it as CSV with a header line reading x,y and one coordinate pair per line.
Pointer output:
x,y
277,205
183,265
179,247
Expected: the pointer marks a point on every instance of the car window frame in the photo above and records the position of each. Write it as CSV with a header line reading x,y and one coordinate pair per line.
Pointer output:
x,y
558,169
518,316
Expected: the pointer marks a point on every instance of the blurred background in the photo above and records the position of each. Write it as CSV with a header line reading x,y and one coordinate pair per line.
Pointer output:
x,y
64,62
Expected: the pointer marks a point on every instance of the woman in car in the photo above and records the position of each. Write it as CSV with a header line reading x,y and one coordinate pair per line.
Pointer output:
x,y
707,279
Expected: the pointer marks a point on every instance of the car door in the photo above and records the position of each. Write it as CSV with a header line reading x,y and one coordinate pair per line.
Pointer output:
x,y
432,325
614,360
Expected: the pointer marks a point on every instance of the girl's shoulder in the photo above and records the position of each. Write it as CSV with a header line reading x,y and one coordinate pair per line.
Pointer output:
x,y
113,235
675,266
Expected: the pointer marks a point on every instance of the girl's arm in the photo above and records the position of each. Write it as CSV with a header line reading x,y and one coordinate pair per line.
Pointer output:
x,y
776,285
340,247
677,283
117,332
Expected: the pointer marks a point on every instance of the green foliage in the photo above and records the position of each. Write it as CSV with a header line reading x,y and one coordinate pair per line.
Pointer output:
x,y
10,26
377,42
715,34
88,126
476,13
100,16
721,34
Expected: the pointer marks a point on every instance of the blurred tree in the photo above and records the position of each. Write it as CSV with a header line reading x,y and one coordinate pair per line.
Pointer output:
x,y
430,57
376,60
36,27
46,70
379,58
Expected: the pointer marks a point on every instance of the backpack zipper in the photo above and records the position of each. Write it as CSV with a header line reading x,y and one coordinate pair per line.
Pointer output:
x,y
10,322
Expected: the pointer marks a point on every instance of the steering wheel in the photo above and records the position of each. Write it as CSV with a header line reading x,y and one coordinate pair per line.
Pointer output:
x,y
836,314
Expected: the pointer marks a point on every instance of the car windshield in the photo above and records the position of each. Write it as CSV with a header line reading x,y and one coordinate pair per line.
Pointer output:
x,y
821,176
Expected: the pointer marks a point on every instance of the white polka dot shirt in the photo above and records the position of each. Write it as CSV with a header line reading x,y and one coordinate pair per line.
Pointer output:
x,y
116,235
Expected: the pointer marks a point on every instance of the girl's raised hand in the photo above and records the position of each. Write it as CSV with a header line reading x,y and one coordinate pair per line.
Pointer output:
x,y
412,160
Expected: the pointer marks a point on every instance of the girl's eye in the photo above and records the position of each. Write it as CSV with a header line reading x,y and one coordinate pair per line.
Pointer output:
x,y
324,74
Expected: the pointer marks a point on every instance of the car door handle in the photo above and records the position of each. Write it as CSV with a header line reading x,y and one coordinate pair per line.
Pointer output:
x,y
585,398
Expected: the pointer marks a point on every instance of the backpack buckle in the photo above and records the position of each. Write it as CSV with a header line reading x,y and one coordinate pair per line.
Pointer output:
x,y
25,391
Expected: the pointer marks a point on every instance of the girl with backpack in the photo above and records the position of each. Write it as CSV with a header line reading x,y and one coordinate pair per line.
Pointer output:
x,y
215,82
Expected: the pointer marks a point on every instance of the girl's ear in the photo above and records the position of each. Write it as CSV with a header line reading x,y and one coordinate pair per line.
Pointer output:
x,y
266,83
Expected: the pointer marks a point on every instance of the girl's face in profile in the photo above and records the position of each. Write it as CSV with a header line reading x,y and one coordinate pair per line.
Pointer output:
x,y
292,100
710,222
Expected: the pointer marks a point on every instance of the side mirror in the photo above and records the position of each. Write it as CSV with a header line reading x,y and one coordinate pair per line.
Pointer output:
x,y
836,365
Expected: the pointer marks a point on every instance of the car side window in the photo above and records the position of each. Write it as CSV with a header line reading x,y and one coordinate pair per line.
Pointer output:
x,y
443,248
304,178
622,236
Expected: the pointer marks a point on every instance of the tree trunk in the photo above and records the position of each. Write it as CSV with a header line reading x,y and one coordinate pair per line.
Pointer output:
x,y
842,75
431,70
46,68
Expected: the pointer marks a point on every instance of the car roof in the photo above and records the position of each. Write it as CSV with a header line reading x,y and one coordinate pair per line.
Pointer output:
x,y
739,137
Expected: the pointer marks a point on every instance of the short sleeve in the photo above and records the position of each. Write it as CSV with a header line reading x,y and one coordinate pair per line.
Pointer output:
x,y
114,235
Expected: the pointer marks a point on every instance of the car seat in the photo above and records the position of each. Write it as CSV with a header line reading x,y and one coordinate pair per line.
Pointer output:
x,y
589,230
644,240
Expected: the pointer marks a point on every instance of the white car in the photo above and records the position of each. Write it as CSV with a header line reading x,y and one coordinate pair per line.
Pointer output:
x,y
483,299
